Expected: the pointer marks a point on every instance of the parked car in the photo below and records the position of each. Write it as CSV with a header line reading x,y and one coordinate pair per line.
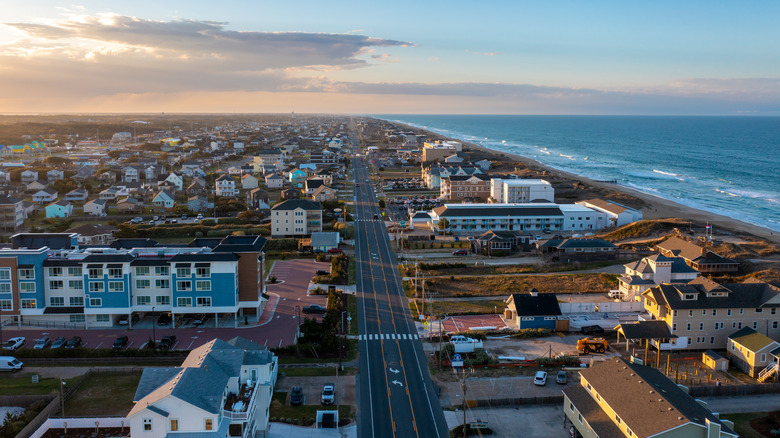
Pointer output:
x,y
59,342
14,344
335,251
164,319
328,394
460,252
561,378
199,217
42,343
201,319
296,396
136,220
314,308
592,330
73,342
120,343
124,319
167,342
540,378
322,272
10,363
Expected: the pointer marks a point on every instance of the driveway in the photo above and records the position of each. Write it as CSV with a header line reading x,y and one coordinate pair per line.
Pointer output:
x,y
525,421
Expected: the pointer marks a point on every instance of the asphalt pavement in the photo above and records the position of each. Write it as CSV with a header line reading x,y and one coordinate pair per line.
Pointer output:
x,y
395,391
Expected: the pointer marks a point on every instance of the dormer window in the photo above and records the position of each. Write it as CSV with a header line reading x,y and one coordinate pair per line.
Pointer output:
x,y
689,297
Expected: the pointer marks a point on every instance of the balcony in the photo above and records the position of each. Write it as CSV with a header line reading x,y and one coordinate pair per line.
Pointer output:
x,y
239,406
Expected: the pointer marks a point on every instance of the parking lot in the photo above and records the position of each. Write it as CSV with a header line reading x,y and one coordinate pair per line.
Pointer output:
x,y
312,388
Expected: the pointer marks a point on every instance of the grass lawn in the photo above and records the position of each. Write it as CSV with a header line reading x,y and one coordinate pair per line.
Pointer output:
x,y
104,394
352,271
459,307
21,384
303,412
352,308
504,286
318,371
742,423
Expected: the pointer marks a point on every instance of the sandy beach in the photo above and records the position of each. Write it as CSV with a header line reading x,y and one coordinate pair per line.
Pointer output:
x,y
656,207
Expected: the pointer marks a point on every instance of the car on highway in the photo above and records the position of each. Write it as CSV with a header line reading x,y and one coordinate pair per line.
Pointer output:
x,y
314,308
592,330
460,252
42,343
296,396
328,394
120,343
561,378
14,344
167,342
335,251
59,342
73,342
540,378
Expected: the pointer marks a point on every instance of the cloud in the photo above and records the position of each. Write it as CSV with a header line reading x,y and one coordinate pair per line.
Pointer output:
x,y
485,53
384,57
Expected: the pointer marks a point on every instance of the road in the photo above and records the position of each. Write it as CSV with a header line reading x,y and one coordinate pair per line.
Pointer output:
x,y
395,392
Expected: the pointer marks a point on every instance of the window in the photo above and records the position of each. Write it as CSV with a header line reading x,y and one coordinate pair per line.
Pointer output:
x,y
115,273
739,325
733,325
689,326
57,301
163,301
96,286
619,421
704,312
74,271
147,424
674,313
763,357
95,273
579,417
209,424
27,287
184,285
203,285
183,272
773,310
174,425
755,325
143,284
728,312
163,283
774,324
77,318
95,302
184,302
76,284
716,326
5,288
101,318
714,312
741,311
5,274
29,303
76,301
6,305
162,270
55,272
56,284
732,345
204,301
143,300
690,313
712,339
701,326
759,310
27,274
202,272
571,407
674,327
142,271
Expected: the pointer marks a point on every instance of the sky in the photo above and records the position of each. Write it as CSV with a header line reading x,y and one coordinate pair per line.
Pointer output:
x,y
400,57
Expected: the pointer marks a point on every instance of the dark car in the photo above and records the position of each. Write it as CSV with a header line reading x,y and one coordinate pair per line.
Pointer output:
x,y
322,272
314,308
124,319
296,396
73,342
201,319
561,378
164,319
460,252
120,343
592,330
59,342
167,342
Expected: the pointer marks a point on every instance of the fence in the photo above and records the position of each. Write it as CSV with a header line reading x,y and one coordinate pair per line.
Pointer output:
x,y
734,390
609,307
81,423
21,400
519,401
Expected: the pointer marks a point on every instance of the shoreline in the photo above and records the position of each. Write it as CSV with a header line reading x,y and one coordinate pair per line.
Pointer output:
x,y
658,207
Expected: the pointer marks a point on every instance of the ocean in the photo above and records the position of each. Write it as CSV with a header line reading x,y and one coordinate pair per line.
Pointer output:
x,y
725,165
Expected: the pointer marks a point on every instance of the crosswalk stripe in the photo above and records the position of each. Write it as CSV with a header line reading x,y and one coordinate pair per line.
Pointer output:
x,y
393,336
404,336
388,337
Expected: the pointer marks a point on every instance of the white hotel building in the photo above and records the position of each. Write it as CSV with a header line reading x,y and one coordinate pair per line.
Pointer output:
x,y
531,217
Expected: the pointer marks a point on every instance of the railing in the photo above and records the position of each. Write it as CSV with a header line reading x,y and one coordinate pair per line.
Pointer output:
x,y
768,372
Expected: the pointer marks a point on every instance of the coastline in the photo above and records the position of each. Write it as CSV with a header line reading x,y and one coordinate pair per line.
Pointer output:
x,y
657,207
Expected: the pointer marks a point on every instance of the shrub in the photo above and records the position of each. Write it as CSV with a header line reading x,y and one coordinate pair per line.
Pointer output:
x,y
272,279
208,222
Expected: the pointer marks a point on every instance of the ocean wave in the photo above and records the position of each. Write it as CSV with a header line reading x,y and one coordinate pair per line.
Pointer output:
x,y
674,175
571,157
769,197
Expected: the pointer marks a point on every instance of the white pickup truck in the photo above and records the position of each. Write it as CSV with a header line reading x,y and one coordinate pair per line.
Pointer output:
x,y
463,344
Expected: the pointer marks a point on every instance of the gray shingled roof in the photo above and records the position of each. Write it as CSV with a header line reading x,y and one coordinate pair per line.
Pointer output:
x,y
455,210
292,204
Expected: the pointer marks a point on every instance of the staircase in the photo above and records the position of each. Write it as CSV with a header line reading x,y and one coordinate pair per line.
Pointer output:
x,y
768,372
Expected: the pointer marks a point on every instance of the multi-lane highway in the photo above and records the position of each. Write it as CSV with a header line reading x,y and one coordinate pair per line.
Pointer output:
x,y
395,393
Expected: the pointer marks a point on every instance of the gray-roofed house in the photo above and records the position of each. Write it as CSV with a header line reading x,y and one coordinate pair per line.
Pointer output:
x,y
616,398
533,310
96,207
94,234
568,250
651,271
700,258
198,203
296,217
220,384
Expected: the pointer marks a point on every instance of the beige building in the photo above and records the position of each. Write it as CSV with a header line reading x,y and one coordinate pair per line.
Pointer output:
x,y
702,313
296,217
697,257
11,213
751,352
652,271
618,399
465,188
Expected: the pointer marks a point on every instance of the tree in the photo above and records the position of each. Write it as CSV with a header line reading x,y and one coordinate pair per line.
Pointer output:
x,y
381,203
251,216
444,224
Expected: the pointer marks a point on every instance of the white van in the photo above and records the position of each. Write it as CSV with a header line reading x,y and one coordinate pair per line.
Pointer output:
x,y
10,363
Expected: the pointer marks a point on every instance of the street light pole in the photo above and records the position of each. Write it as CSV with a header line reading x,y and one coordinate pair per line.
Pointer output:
x,y
154,334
